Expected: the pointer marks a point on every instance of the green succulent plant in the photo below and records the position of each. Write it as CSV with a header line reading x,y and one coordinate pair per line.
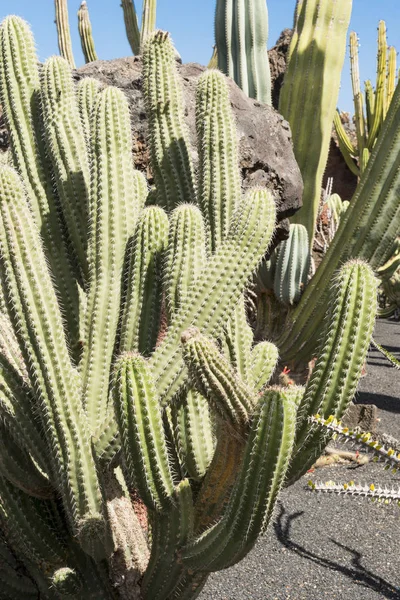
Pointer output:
x,y
142,444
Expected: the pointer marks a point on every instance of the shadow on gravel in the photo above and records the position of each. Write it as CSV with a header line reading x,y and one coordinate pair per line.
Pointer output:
x,y
359,574
389,403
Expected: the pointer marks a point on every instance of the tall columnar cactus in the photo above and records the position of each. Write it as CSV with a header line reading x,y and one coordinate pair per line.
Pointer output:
x,y
310,92
146,411
368,231
241,35
369,114
85,32
136,36
63,31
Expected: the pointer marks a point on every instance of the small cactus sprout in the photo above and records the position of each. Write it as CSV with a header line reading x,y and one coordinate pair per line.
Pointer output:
x,y
142,445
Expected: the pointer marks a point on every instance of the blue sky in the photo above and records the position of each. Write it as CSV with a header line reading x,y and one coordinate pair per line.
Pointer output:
x,y
191,25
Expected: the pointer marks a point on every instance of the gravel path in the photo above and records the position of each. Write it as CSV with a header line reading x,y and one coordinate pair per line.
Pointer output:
x,y
320,547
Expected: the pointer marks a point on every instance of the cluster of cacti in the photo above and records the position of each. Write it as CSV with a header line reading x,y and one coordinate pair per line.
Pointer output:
x,y
241,35
370,108
131,381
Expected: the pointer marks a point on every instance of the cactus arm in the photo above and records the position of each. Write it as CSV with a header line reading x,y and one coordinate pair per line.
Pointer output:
x,y
292,265
148,19
87,90
359,117
19,95
114,213
241,35
186,255
219,180
369,102
85,32
30,527
141,429
368,231
131,25
10,352
66,145
214,378
265,460
228,269
310,91
346,338
380,90
170,530
264,358
141,314
63,31
194,433
14,584
391,78
38,325
346,147
169,150
238,340
17,466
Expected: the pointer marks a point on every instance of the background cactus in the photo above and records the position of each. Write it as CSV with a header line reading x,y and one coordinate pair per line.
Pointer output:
x,y
100,400
241,35
63,31
370,108
316,56
85,32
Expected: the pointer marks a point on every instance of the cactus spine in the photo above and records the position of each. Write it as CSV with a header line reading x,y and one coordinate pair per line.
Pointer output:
x,y
312,79
241,34
85,32
63,31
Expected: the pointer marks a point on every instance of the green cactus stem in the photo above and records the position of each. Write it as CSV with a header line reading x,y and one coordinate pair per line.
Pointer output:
x,y
85,32
194,433
169,148
186,255
368,231
87,90
345,342
114,214
215,379
141,314
219,179
139,420
247,242
38,325
310,92
264,358
65,140
131,25
292,265
20,99
241,35
63,31
148,20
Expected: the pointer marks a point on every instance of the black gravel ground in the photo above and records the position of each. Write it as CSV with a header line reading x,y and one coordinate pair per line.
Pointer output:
x,y
323,547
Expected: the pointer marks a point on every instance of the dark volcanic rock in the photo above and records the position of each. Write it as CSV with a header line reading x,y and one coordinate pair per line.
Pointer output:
x,y
278,62
265,149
